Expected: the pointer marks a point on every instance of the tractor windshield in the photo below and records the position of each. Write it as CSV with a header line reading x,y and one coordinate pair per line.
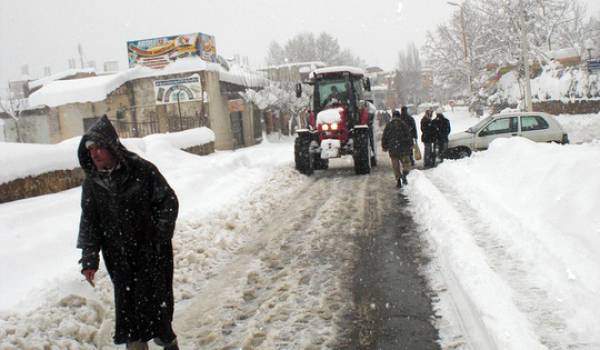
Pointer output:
x,y
330,92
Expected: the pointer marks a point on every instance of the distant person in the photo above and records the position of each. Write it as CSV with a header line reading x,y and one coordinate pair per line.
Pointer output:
x,y
397,141
128,212
384,118
442,127
412,126
428,137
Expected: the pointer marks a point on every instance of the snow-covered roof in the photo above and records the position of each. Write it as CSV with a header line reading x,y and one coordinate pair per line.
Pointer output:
x,y
312,64
379,88
58,76
97,88
240,76
564,53
337,69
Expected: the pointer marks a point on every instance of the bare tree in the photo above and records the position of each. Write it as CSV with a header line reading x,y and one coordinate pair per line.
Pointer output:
x,y
408,81
490,32
275,54
13,106
304,47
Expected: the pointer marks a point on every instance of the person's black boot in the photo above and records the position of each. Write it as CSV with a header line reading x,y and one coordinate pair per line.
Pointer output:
x,y
404,181
167,346
399,183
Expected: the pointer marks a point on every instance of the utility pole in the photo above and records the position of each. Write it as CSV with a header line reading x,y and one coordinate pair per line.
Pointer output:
x,y
525,55
80,50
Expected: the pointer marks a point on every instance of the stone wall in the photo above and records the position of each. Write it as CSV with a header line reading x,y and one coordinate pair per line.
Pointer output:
x,y
202,150
31,186
61,180
575,107
559,107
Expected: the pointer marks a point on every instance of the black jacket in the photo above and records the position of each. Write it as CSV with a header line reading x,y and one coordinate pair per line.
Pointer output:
x,y
410,122
428,130
129,215
397,139
442,126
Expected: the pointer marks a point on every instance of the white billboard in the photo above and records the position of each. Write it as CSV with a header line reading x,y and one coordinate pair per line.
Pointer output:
x,y
178,90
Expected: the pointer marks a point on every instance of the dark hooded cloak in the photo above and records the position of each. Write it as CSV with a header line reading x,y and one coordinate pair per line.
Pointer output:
x,y
129,214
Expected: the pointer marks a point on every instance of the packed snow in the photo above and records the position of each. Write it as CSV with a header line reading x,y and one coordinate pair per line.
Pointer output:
x,y
516,226
20,160
512,229
329,116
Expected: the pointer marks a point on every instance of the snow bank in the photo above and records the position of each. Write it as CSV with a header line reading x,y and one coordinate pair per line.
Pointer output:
x,y
44,248
517,224
581,127
19,160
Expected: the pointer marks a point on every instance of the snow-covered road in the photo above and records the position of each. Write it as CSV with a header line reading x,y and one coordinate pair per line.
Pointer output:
x,y
264,254
270,271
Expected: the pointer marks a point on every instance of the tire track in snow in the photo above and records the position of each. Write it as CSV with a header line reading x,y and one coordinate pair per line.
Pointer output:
x,y
284,287
531,299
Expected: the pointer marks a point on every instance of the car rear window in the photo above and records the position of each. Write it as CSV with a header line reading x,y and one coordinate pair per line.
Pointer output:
x,y
530,123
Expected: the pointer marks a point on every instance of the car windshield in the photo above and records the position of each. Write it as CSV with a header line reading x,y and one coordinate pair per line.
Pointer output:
x,y
478,126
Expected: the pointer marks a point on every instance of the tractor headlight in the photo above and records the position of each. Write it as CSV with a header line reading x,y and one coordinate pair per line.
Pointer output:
x,y
334,126
325,127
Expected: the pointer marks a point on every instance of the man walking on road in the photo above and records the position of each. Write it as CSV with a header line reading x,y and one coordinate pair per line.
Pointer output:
x,y
129,213
397,140
412,128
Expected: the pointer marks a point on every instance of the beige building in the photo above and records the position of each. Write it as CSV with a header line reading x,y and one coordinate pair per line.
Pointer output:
x,y
63,109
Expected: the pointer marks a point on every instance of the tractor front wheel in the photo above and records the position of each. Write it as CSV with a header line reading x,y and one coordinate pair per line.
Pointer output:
x,y
302,156
362,152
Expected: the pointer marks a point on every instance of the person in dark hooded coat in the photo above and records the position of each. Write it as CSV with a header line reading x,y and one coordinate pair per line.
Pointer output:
x,y
442,126
128,213
397,141
428,137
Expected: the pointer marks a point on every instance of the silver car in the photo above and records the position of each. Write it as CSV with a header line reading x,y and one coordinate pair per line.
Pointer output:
x,y
536,126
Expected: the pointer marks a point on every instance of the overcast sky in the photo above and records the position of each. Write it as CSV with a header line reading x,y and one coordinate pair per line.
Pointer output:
x,y
46,33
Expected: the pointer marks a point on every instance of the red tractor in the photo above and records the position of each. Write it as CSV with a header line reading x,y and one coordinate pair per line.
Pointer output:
x,y
340,121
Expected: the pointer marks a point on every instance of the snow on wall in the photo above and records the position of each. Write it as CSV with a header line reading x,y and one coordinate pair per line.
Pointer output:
x,y
19,160
555,83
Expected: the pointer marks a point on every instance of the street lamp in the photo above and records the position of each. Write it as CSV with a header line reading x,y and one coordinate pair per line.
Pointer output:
x,y
464,40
